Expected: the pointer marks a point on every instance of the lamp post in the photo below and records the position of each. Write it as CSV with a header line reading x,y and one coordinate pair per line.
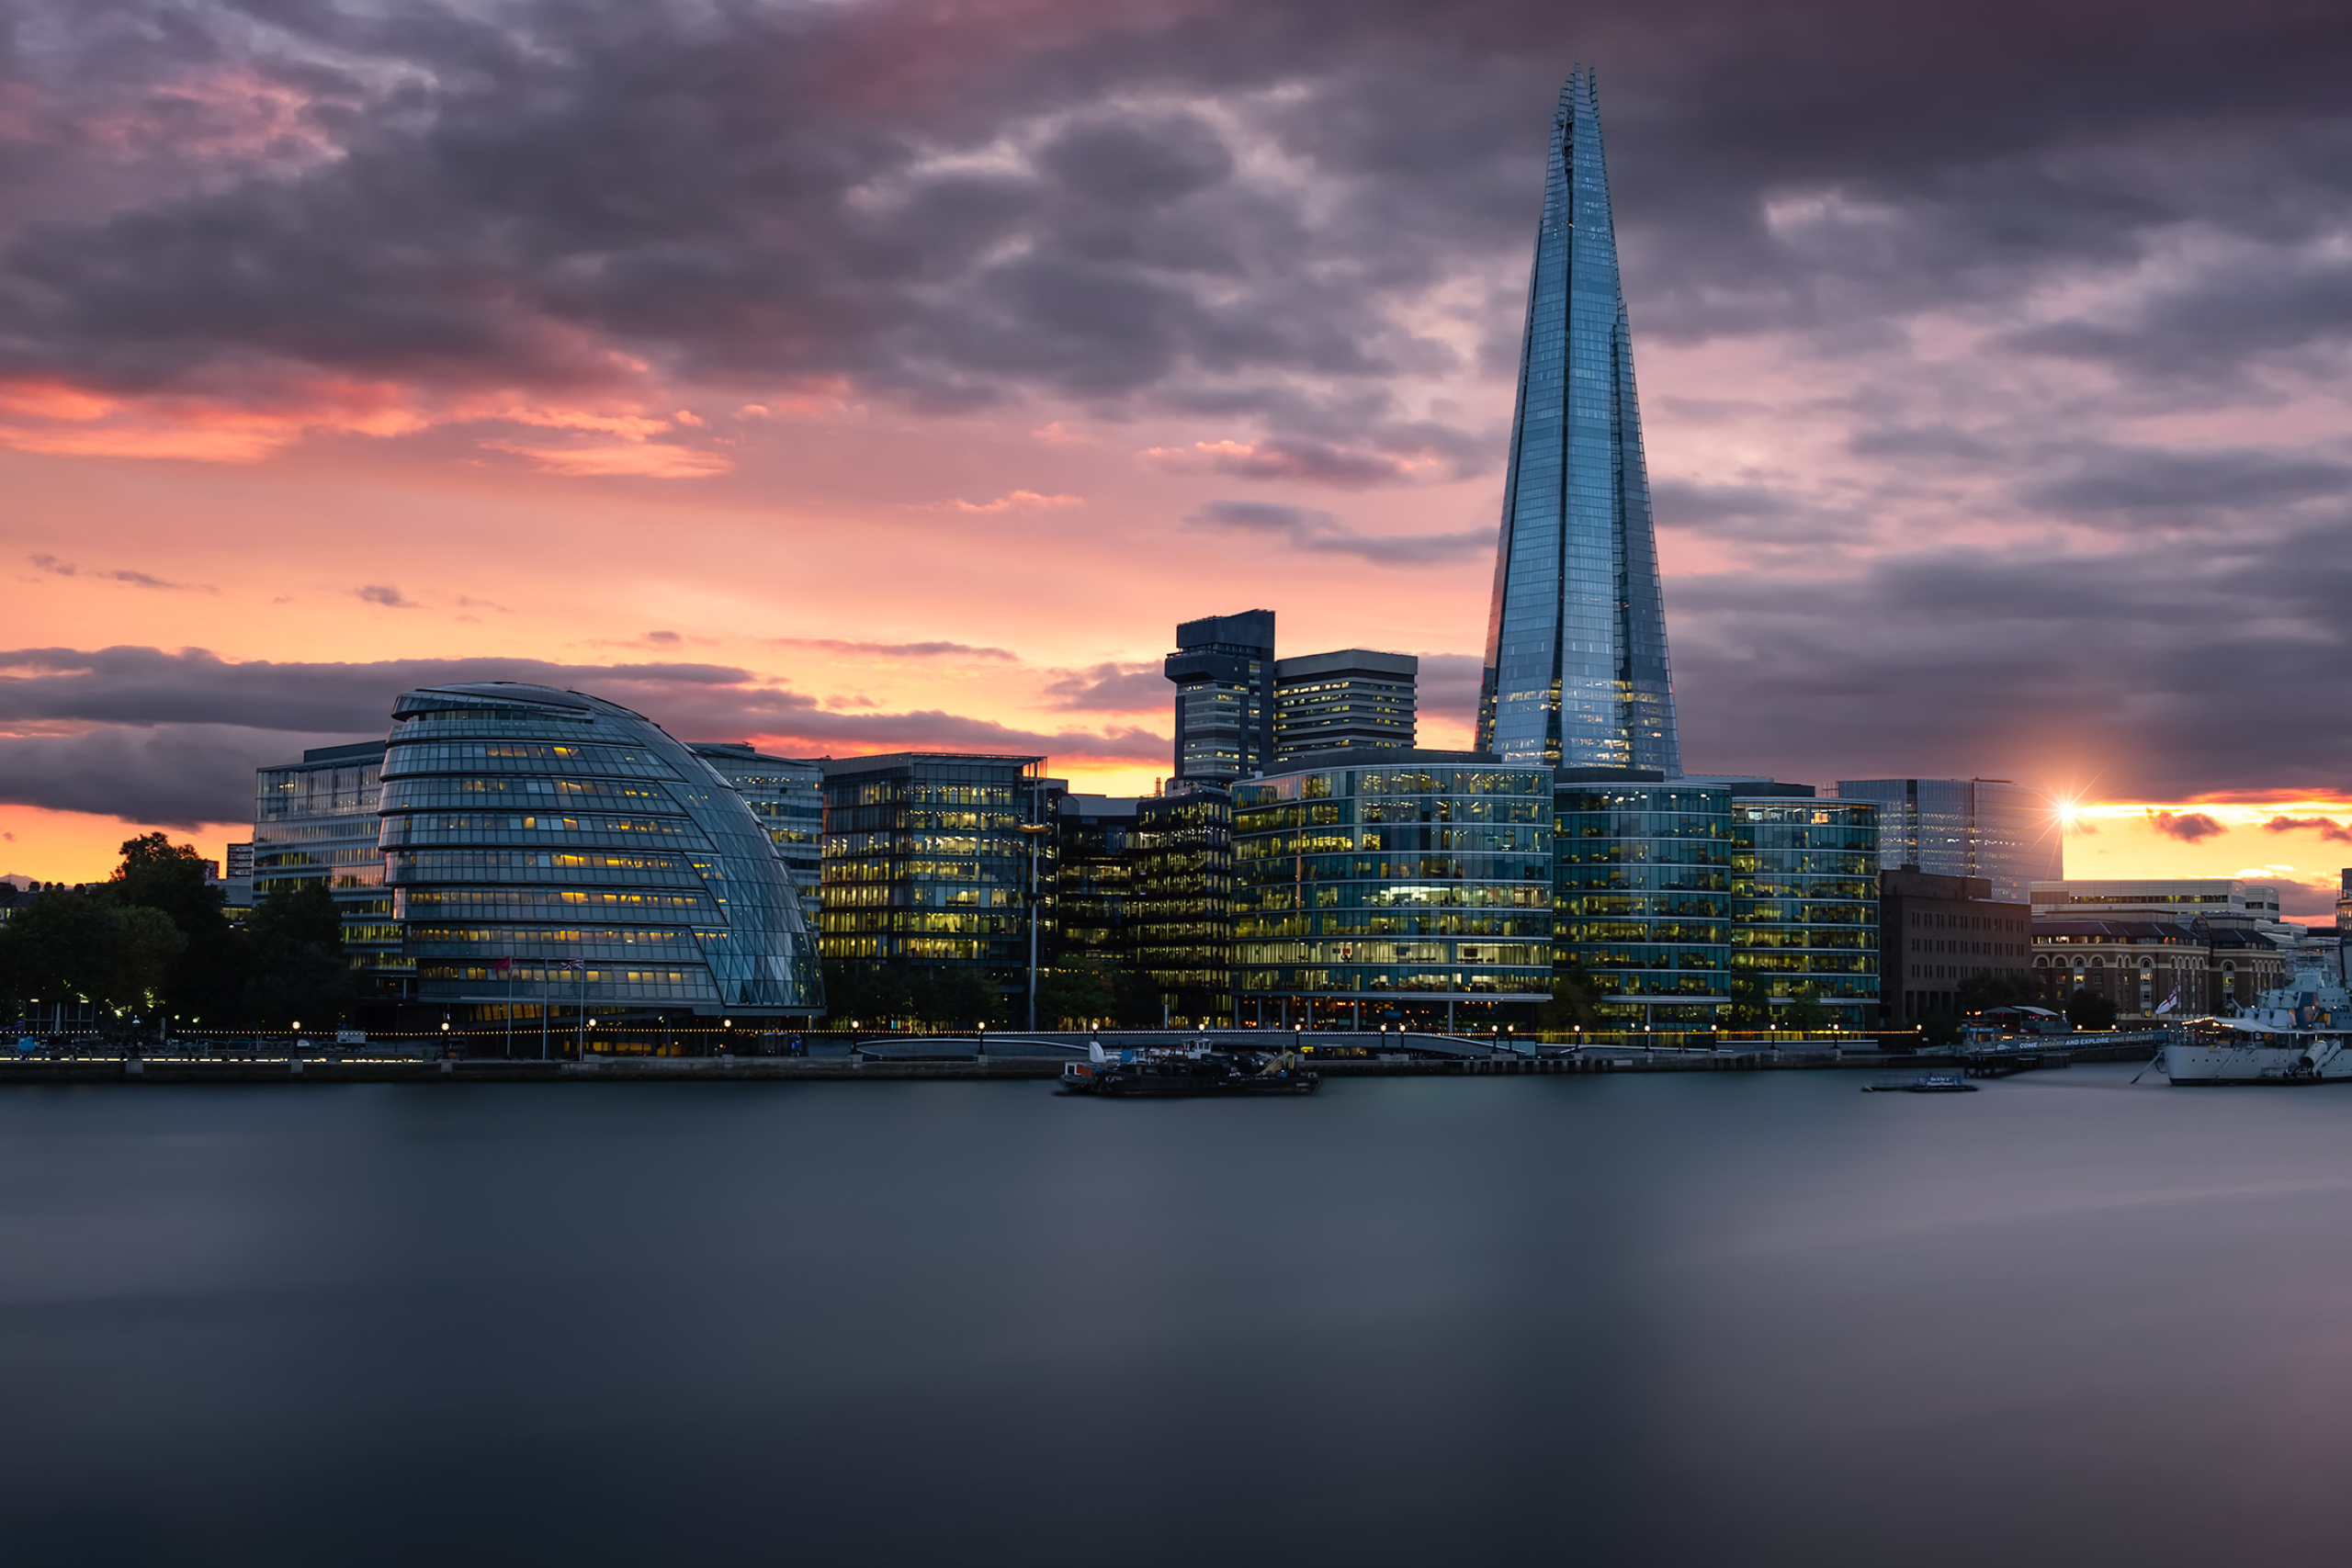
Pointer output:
x,y
1034,829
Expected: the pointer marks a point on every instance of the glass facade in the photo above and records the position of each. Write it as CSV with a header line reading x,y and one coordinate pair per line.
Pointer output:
x,y
607,864
2001,832
1330,702
1094,877
1224,670
788,797
1643,897
1576,673
1805,903
1180,916
1403,883
315,821
925,863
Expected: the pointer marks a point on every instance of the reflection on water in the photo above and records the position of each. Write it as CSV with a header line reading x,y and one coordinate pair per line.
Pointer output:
x,y
1736,1319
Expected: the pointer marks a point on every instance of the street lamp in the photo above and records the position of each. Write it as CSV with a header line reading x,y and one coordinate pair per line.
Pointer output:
x,y
1034,831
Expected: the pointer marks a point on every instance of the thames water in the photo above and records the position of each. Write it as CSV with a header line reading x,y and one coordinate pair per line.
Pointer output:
x,y
1721,1319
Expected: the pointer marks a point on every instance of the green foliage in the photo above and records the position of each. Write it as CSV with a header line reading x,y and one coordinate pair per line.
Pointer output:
x,y
1751,1002
144,943
2088,1009
1998,988
1072,993
1939,1029
866,994
1571,1007
299,973
59,947
1807,1011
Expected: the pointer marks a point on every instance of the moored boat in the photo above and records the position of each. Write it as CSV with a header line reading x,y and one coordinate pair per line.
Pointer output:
x,y
1192,1071
2296,1034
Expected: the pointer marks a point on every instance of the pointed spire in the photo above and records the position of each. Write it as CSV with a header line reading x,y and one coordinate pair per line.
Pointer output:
x,y
1577,671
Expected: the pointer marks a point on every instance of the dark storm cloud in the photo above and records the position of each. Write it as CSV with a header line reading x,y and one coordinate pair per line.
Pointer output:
x,y
1305,528
1266,214
186,729
487,196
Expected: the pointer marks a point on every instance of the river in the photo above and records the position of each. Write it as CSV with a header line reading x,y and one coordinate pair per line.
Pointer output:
x,y
1721,1319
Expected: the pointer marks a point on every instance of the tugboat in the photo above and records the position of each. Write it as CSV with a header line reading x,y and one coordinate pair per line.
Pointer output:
x,y
1194,1070
2296,1034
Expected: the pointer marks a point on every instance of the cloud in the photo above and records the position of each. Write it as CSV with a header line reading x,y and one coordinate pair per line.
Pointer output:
x,y
649,459
2329,829
389,597
174,738
1018,500
56,567
896,649
2188,826
1427,453
1113,688
1304,528
665,638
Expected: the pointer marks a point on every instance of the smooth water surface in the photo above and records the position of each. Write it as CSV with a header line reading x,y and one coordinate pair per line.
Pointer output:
x,y
1735,1318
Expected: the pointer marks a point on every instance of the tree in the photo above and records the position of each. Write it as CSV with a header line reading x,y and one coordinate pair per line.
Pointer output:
x,y
1997,989
59,948
1807,1011
208,976
1073,992
2088,1009
143,945
1752,1003
1571,1007
299,971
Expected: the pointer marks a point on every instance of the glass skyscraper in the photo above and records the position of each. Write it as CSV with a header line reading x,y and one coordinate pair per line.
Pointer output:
x,y
1224,670
1577,669
2003,832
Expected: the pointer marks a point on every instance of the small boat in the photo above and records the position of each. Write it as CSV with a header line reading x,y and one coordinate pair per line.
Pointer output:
x,y
1924,1083
2296,1034
1189,1072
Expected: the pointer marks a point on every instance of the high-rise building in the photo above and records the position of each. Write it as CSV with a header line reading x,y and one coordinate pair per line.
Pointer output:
x,y
1180,914
315,821
1804,901
553,851
1343,701
788,797
926,863
1403,885
1094,875
1643,903
1576,673
1224,670
2003,832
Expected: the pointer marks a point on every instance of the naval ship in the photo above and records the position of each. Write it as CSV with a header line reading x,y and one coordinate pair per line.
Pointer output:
x,y
2296,1034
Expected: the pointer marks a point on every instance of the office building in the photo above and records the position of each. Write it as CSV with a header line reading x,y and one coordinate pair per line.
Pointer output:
x,y
1336,702
1404,885
926,864
2231,901
1095,879
552,850
1805,901
2003,832
1576,673
1642,897
1224,671
1180,913
314,821
1937,932
788,797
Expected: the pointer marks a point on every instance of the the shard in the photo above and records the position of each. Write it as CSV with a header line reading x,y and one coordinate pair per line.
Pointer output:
x,y
1575,642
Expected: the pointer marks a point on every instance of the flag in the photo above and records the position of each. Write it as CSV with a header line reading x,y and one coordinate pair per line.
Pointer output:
x,y
2170,1002
574,964
502,966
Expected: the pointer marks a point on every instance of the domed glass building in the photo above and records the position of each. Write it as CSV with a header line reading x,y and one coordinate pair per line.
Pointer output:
x,y
605,865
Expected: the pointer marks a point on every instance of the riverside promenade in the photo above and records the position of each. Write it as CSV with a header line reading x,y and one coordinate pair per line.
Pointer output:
x,y
1024,1056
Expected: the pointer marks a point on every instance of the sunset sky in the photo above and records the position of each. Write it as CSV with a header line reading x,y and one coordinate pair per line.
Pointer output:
x,y
860,374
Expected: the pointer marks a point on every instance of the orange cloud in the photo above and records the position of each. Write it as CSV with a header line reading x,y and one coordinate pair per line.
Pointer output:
x,y
649,459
